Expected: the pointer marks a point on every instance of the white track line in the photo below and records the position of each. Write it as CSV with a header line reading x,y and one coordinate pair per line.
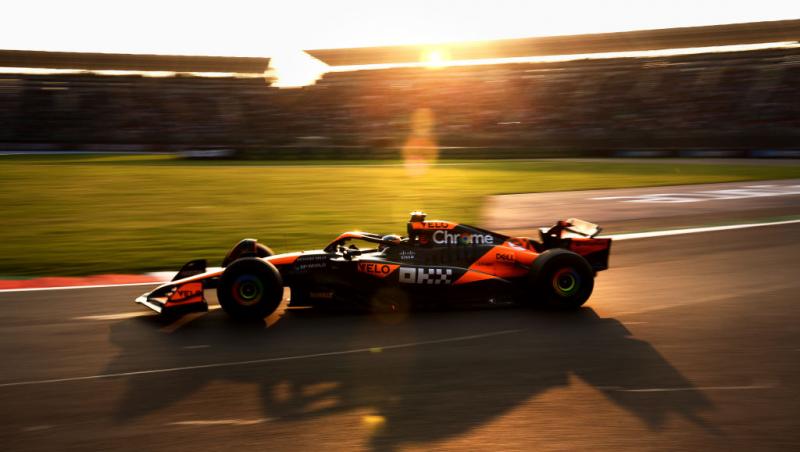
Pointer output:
x,y
205,423
699,388
37,428
258,361
669,232
96,286
120,316
631,236
128,315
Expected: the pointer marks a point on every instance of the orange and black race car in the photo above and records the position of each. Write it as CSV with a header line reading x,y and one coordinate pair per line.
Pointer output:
x,y
436,263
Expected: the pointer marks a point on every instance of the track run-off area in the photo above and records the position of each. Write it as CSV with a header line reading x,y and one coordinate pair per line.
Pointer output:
x,y
690,341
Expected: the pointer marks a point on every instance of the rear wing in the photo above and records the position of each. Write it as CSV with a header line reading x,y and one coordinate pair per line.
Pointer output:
x,y
575,226
579,236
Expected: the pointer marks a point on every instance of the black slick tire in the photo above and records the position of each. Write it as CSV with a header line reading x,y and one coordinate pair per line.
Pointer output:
x,y
250,289
560,279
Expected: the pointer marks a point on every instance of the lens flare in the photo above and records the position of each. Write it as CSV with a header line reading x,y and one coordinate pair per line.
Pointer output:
x,y
420,149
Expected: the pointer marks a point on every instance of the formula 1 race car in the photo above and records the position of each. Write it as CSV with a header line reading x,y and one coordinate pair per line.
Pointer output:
x,y
437,262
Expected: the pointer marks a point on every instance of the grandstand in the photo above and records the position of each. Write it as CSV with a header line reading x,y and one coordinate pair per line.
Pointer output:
x,y
131,62
670,38
716,100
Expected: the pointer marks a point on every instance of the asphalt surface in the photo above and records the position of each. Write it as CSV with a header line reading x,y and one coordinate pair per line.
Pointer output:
x,y
689,342
635,209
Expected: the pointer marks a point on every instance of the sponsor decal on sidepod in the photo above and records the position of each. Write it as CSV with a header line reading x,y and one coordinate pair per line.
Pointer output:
x,y
376,269
410,275
449,238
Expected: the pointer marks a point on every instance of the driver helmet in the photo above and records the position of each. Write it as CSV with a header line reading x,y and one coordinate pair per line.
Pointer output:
x,y
392,238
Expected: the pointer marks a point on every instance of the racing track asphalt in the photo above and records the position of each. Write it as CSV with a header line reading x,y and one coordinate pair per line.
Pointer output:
x,y
647,208
689,342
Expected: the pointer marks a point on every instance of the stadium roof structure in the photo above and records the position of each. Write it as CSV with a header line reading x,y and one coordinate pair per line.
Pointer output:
x,y
131,62
658,39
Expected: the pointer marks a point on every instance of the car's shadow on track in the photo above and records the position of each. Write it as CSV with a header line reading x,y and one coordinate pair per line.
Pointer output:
x,y
422,392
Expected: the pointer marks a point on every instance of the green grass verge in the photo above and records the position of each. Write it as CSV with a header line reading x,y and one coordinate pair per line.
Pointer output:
x,y
71,215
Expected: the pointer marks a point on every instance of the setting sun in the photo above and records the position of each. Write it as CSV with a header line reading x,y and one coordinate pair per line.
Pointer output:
x,y
435,58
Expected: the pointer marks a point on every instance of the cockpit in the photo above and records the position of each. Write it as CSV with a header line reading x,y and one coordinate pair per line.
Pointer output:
x,y
352,244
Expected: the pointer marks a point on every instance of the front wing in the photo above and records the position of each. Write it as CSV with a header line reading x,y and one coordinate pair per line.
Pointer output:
x,y
185,292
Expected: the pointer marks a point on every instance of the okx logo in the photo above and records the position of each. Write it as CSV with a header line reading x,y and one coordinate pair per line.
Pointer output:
x,y
410,275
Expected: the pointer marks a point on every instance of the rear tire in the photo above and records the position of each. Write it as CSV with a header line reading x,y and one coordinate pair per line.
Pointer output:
x,y
250,289
561,279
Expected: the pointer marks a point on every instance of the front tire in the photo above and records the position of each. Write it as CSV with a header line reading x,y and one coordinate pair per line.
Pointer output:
x,y
250,289
561,279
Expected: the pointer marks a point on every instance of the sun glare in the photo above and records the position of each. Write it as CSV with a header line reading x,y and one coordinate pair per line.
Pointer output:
x,y
435,58
281,29
260,29
292,69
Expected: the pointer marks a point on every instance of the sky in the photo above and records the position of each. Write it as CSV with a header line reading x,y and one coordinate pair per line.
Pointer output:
x,y
272,28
